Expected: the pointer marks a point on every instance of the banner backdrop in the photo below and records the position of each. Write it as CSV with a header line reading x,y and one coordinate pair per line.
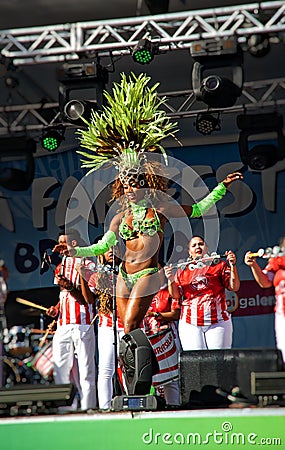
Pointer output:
x,y
250,217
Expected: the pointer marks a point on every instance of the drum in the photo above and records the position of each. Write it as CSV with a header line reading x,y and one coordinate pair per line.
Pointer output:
x,y
43,361
166,353
17,341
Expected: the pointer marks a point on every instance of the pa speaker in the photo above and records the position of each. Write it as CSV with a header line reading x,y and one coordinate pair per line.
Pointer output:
x,y
203,371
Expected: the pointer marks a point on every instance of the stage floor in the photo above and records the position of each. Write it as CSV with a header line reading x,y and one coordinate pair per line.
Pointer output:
x,y
210,428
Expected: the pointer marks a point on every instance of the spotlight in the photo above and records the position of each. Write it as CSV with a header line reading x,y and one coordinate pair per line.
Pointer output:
x,y
76,109
258,45
82,85
52,139
261,156
206,123
144,51
217,91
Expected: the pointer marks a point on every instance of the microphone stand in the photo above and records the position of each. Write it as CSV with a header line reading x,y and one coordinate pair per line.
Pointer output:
x,y
3,326
117,386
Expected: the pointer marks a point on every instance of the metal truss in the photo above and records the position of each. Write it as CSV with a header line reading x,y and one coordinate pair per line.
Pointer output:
x,y
178,104
58,43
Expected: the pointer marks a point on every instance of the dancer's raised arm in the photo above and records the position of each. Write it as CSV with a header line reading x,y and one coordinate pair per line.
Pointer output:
x,y
201,207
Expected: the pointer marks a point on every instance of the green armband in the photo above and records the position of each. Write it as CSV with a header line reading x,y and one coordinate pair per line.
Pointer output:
x,y
200,208
108,240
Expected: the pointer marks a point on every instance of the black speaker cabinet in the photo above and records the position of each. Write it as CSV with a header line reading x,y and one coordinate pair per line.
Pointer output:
x,y
203,371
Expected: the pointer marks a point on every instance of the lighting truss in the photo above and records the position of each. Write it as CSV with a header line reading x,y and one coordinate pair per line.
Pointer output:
x,y
178,105
56,43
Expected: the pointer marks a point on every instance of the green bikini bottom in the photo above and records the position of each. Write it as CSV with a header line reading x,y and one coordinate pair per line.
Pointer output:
x,y
131,278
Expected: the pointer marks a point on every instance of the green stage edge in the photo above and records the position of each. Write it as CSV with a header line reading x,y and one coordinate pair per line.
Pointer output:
x,y
226,429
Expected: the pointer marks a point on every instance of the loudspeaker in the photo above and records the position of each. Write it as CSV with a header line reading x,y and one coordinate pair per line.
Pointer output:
x,y
35,398
203,371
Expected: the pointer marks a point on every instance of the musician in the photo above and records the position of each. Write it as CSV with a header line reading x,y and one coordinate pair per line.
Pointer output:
x,y
273,275
204,321
74,335
101,284
161,329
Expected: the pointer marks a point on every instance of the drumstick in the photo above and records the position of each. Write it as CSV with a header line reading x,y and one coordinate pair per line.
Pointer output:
x,y
28,303
43,339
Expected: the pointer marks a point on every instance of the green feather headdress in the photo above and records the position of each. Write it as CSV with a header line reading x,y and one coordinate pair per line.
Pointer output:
x,y
131,124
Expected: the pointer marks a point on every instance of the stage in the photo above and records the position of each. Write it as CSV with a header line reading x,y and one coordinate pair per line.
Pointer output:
x,y
210,428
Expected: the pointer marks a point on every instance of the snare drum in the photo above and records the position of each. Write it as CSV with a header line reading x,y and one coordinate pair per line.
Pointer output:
x,y
17,341
43,361
164,346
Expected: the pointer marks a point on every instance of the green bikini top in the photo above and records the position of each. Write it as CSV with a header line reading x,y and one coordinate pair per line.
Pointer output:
x,y
140,223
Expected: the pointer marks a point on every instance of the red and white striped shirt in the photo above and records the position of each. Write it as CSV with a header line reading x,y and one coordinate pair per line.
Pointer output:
x,y
275,270
204,298
71,311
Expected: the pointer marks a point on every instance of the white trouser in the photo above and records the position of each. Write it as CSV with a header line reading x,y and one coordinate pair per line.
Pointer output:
x,y
280,333
106,364
218,335
172,393
80,340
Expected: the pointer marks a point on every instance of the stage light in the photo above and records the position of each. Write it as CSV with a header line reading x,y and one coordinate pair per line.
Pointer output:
x,y
258,45
144,51
215,89
206,123
263,155
76,109
52,139
219,91
81,86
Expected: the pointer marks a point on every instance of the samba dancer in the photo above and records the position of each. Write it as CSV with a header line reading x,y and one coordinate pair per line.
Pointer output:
x,y
124,133
204,320
273,274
